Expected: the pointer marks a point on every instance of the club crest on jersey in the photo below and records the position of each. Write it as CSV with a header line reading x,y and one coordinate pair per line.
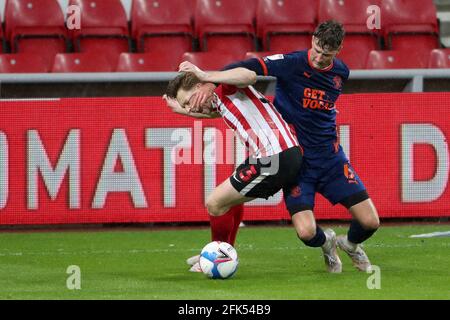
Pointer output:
x,y
296,192
349,174
337,81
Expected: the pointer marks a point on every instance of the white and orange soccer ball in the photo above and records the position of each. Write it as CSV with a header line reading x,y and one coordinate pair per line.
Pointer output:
x,y
219,260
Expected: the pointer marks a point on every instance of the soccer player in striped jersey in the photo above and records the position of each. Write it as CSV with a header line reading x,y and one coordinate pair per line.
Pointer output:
x,y
309,83
275,155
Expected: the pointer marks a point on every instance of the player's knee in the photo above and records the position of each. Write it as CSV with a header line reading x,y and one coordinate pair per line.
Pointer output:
x,y
306,233
214,207
372,223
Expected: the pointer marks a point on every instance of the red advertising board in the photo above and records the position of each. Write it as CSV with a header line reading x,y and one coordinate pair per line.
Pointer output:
x,y
133,160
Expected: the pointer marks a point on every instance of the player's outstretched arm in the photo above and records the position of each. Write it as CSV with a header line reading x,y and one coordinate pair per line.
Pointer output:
x,y
177,108
239,77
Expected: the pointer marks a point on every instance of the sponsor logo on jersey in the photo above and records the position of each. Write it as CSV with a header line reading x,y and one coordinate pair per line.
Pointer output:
x,y
316,99
247,174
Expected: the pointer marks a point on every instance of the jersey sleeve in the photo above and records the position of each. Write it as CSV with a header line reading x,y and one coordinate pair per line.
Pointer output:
x,y
280,65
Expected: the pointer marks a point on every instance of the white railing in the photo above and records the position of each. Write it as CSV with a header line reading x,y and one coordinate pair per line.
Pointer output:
x,y
416,77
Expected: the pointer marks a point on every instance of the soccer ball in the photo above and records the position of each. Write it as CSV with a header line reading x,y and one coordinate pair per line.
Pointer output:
x,y
219,260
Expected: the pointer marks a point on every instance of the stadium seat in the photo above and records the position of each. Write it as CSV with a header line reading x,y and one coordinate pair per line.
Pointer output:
x,y
81,62
391,59
104,28
356,49
286,25
2,39
359,40
23,63
226,26
162,26
410,25
146,62
36,26
439,58
209,60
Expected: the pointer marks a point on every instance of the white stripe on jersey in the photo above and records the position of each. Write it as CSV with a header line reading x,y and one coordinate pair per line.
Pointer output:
x,y
286,133
257,123
241,132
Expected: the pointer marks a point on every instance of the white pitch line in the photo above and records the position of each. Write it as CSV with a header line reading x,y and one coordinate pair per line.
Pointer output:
x,y
431,235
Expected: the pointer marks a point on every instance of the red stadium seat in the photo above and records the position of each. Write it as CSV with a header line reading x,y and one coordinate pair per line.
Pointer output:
x,y
146,62
36,26
355,50
286,25
162,26
2,39
410,25
104,28
439,58
225,26
209,60
23,63
359,40
392,59
81,62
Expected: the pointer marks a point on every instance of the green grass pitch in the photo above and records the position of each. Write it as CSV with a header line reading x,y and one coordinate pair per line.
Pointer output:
x,y
136,264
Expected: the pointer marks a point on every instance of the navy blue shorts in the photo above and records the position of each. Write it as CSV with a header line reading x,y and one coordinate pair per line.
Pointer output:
x,y
325,170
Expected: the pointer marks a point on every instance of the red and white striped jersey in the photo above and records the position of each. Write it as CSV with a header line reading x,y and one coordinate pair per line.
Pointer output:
x,y
254,119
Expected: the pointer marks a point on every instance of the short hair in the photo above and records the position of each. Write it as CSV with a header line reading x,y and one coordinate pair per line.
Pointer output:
x,y
330,34
185,81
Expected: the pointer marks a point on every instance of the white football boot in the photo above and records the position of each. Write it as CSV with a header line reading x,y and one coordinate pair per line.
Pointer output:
x,y
196,267
194,262
359,258
332,261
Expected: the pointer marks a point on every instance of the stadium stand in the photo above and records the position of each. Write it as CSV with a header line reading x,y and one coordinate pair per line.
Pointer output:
x,y
359,40
163,27
166,29
439,58
210,60
392,59
410,25
146,62
81,62
220,29
35,26
104,28
286,25
23,63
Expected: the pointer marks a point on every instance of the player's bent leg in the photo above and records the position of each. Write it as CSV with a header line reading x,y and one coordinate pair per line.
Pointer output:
x,y
305,226
313,236
223,198
366,214
225,212
364,224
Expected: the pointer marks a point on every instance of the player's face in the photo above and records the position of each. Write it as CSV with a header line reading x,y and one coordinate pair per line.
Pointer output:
x,y
186,97
321,57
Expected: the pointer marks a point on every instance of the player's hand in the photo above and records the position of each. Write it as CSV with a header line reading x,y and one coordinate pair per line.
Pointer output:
x,y
174,105
202,99
187,66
